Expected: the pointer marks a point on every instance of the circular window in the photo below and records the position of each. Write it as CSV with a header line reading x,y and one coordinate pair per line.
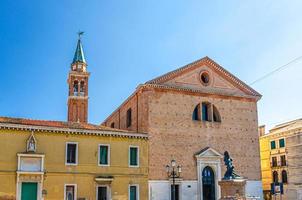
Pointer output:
x,y
205,78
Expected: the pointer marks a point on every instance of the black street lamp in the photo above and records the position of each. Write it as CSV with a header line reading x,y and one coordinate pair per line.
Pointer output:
x,y
173,172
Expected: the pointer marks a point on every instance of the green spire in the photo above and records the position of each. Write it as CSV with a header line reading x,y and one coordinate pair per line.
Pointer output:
x,y
79,53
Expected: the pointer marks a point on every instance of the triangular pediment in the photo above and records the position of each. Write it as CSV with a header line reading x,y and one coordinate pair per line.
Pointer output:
x,y
208,152
219,81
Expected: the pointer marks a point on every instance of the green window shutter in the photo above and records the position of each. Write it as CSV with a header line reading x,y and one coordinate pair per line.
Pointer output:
x,y
133,156
133,193
281,143
104,155
273,145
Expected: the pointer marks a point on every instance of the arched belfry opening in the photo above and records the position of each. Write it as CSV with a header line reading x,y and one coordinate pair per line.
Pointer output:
x,y
75,88
82,88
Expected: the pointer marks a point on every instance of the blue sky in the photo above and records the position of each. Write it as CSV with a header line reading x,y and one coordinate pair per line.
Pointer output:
x,y
130,42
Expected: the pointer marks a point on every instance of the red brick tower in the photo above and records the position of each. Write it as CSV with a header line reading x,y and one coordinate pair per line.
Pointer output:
x,y
78,86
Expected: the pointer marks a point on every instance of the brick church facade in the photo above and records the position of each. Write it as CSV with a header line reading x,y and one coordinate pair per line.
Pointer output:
x,y
193,114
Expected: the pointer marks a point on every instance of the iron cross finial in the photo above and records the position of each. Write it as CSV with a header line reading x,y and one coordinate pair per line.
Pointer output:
x,y
80,33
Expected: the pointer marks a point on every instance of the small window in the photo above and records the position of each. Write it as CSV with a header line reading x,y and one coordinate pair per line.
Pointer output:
x,y
283,160
273,144
133,192
71,153
196,113
281,143
275,177
284,176
70,192
104,154
112,125
133,156
129,118
274,161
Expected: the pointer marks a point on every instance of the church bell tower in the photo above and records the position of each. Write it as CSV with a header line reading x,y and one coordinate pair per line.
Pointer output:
x,y
78,86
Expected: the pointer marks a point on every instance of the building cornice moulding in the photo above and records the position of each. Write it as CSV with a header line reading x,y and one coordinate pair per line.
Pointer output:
x,y
80,74
73,131
78,97
200,92
283,133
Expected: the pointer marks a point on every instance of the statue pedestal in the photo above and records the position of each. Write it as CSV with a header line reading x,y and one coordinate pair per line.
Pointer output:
x,y
232,189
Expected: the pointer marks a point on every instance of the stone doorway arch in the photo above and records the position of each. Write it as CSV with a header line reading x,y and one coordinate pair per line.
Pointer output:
x,y
208,160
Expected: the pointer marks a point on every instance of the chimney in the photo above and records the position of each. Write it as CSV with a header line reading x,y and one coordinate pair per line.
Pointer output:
x,y
261,130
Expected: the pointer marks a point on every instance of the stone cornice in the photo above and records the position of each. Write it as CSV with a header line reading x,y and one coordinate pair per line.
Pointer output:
x,y
284,133
183,89
80,74
107,133
78,97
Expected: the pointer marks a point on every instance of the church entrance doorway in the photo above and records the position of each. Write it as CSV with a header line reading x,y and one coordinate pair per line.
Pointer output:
x,y
208,183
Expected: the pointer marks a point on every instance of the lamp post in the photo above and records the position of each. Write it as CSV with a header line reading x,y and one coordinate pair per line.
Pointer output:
x,y
173,172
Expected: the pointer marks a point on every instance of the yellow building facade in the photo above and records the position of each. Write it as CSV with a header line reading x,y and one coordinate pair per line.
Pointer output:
x,y
274,155
66,160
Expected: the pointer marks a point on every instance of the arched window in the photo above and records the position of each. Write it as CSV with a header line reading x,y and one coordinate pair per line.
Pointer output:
x,y
75,87
82,88
196,113
206,112
216,115
284,176
275,177
112,125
